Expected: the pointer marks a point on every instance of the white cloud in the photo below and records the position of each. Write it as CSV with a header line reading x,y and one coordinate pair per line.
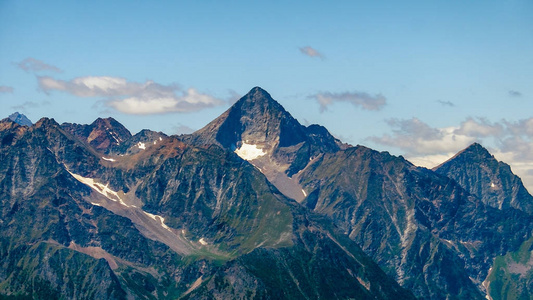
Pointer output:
x,y
311,52
359,99
423,145
418,139
430,161
31,64
480,128
6,89
133,97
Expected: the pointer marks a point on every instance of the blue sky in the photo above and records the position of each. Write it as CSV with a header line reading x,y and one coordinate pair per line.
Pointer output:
x,y
422,79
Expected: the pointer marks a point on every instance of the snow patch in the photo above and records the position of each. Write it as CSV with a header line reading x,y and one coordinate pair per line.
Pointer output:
x,y
492,185
100,188
159,219
108,159
160,138
249,151
305,194
141,145
115,138
112,135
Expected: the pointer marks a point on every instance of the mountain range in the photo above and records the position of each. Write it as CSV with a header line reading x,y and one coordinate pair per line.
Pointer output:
x,y
252,206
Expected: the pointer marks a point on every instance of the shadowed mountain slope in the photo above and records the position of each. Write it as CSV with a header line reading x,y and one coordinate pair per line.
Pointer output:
x,y
421,227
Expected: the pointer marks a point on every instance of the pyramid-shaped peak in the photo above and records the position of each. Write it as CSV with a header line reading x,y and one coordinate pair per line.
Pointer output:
x,y
492,181
257,97
111,124
476,150
476,147
20,119
106,121
259,92
472,154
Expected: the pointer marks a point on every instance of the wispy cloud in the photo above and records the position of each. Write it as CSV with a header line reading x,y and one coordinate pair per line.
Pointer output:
x,y
29,104
513,93
6,89
233,97
182,129
446,103
133,97
311,52
511,142
359,99
31,64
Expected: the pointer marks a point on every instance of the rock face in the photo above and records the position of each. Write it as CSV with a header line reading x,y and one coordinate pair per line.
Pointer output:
x,y
492,181
171,221
103,135
423,229
212,215
109,137
20,119
476,170
420,227
260,130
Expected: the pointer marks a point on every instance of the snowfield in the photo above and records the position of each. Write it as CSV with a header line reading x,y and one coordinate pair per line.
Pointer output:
x,y
249,151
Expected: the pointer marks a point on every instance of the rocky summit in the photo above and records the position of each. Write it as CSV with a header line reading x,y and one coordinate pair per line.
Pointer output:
x,y
490,180
20,119
252,206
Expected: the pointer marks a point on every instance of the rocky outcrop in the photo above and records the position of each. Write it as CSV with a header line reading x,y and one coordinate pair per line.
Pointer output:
x,y
103,135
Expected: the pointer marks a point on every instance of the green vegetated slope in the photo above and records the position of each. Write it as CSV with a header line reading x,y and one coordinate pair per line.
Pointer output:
x,y
511,275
